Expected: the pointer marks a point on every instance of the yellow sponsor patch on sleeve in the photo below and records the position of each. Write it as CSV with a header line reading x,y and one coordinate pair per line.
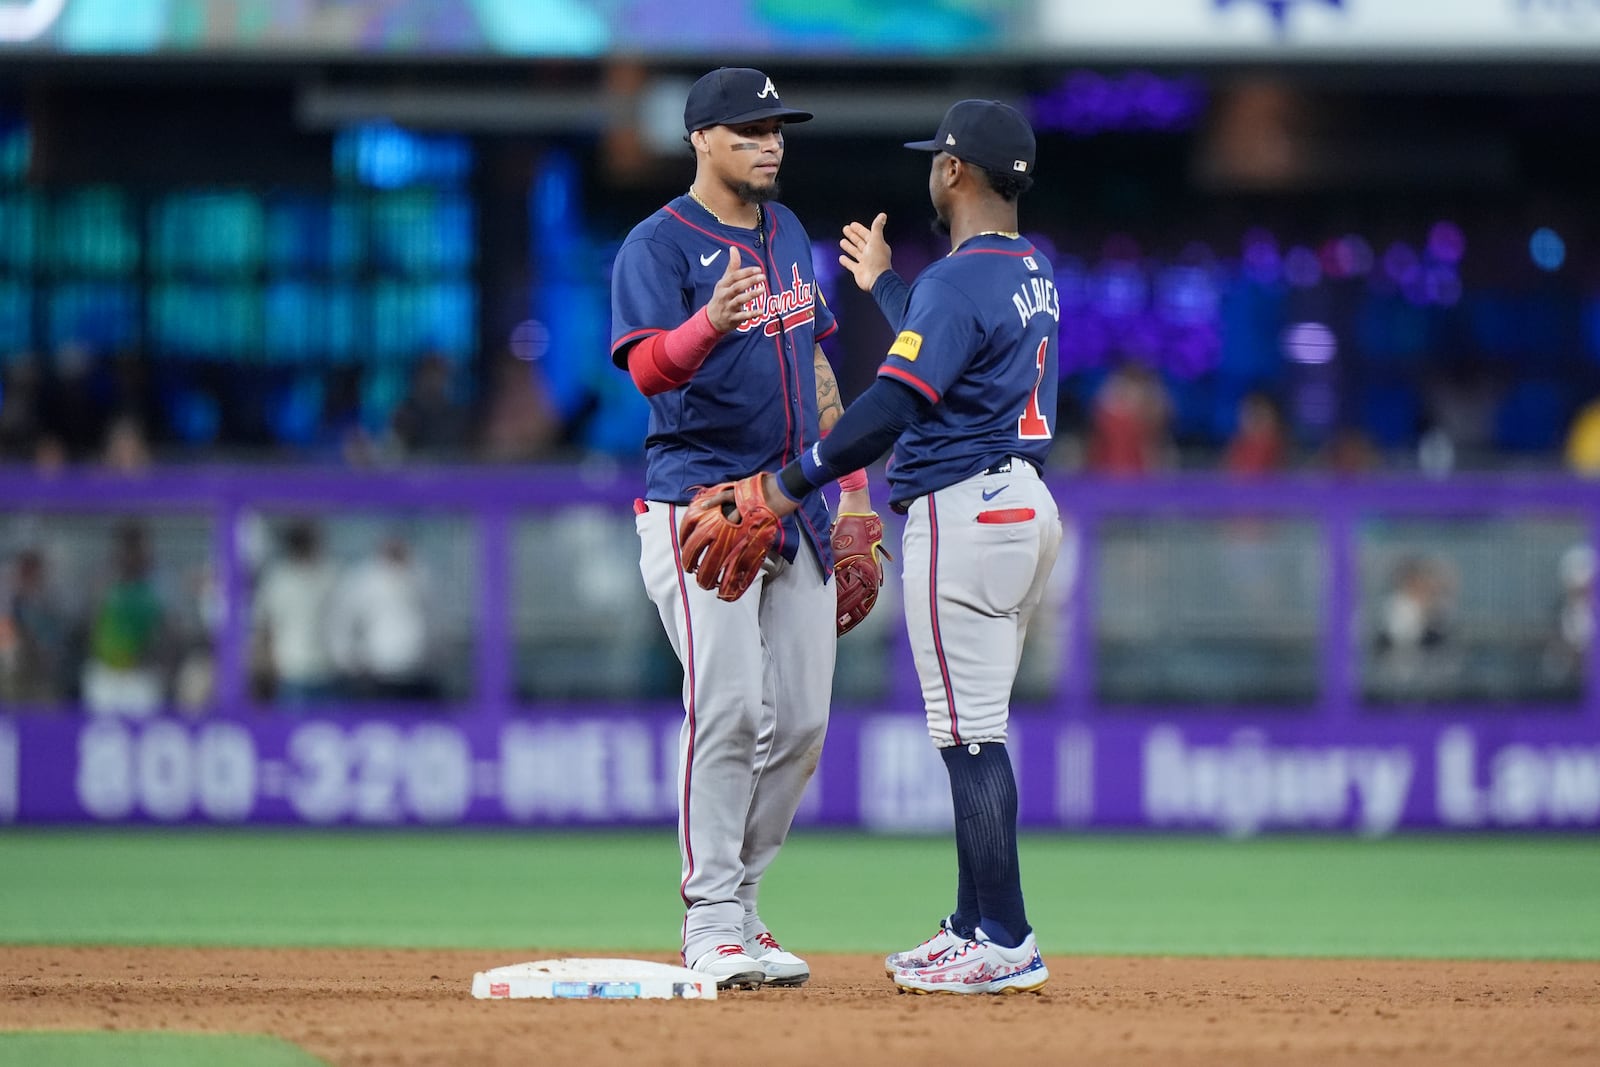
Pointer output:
x,y
907,345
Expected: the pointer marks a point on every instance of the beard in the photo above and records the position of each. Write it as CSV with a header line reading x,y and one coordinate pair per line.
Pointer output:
x,y
939,225
757,194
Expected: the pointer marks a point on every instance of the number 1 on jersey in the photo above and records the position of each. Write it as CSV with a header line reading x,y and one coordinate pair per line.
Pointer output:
x,y
1032,425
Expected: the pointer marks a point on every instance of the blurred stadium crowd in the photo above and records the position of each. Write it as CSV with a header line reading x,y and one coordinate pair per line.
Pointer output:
x,y
1264,271
141,638
376,322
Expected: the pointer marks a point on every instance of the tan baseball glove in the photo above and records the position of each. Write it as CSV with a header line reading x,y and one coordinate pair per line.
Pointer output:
x,y
726,533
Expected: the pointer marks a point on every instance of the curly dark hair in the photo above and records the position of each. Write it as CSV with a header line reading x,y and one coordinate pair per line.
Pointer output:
x,y
1007,185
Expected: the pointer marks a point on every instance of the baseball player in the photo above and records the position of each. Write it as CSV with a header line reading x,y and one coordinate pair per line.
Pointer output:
x,y
716,314
965,396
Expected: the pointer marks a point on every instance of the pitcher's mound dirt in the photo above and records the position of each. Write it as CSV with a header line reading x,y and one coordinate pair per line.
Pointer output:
x,y
413,1007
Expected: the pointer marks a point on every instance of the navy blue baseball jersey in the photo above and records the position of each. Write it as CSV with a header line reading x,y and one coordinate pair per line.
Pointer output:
x,y
752,406
979,341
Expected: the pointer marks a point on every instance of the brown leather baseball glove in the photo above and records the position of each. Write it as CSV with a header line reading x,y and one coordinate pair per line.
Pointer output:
x,y
857,571
726,533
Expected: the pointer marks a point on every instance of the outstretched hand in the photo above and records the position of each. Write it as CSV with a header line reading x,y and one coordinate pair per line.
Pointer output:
x,y
721,496
734,300
866,253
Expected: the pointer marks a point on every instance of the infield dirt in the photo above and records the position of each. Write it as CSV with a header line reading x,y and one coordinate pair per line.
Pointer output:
x,y
413,1007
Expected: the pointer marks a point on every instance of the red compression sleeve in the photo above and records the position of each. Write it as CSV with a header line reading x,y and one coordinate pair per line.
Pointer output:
x,y
665,361
644,364
856,479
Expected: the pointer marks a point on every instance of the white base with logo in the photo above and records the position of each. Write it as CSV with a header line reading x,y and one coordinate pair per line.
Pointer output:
x,y
586,979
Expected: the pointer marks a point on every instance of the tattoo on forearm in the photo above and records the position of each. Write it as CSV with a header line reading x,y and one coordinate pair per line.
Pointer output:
x,y
829,405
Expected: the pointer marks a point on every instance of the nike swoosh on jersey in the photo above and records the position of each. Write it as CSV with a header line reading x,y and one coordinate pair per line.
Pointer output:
x,y
990,494
705,261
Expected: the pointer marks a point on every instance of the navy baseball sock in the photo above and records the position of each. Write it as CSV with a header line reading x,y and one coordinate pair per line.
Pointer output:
x,y
966,915
985,794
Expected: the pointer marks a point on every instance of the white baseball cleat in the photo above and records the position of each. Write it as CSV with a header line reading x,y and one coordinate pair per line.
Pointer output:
x,y
731,966
979,966
927,953
782,968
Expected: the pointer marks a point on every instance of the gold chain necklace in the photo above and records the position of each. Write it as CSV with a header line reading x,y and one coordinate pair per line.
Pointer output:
x,y
761,213
696,198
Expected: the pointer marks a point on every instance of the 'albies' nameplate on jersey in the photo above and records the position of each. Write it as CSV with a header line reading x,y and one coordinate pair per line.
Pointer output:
x,y
978,342
1037,296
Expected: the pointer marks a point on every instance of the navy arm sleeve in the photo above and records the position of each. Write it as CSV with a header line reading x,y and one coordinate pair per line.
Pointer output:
x,y
867,429
892,294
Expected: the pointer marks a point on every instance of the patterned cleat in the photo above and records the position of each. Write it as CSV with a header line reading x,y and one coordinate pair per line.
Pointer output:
x,y
732,967
928,953
781,968
979,966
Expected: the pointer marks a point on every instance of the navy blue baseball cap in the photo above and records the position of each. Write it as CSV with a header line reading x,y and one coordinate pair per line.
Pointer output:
x,y
987,133
729,96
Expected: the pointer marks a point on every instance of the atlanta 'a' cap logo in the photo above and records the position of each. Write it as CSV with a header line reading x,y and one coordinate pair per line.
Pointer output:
x,y
768,90
949,138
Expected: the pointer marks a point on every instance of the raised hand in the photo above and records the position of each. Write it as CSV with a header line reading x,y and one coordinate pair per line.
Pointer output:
x,y
736,298
866,253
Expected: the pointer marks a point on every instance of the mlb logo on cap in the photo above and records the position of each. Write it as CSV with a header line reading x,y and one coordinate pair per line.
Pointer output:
x,y
987,133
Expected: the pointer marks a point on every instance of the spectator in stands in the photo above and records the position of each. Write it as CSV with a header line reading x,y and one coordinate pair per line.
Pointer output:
x,y
33,635
378,626
132,394
1414,615
196,625
1259,445
1413,639
290,614
123,674
126,450
1583,440
20,427
1349,452
49,456
522,422
429,421
1128,430
73,411
341,434
1462,397
1566,661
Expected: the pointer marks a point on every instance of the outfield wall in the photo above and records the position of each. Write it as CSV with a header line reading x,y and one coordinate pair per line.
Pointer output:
x,y
1216,656
877,772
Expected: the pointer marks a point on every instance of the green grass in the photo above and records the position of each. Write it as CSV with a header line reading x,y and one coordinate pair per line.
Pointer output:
x,y
1462,897
149,1050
